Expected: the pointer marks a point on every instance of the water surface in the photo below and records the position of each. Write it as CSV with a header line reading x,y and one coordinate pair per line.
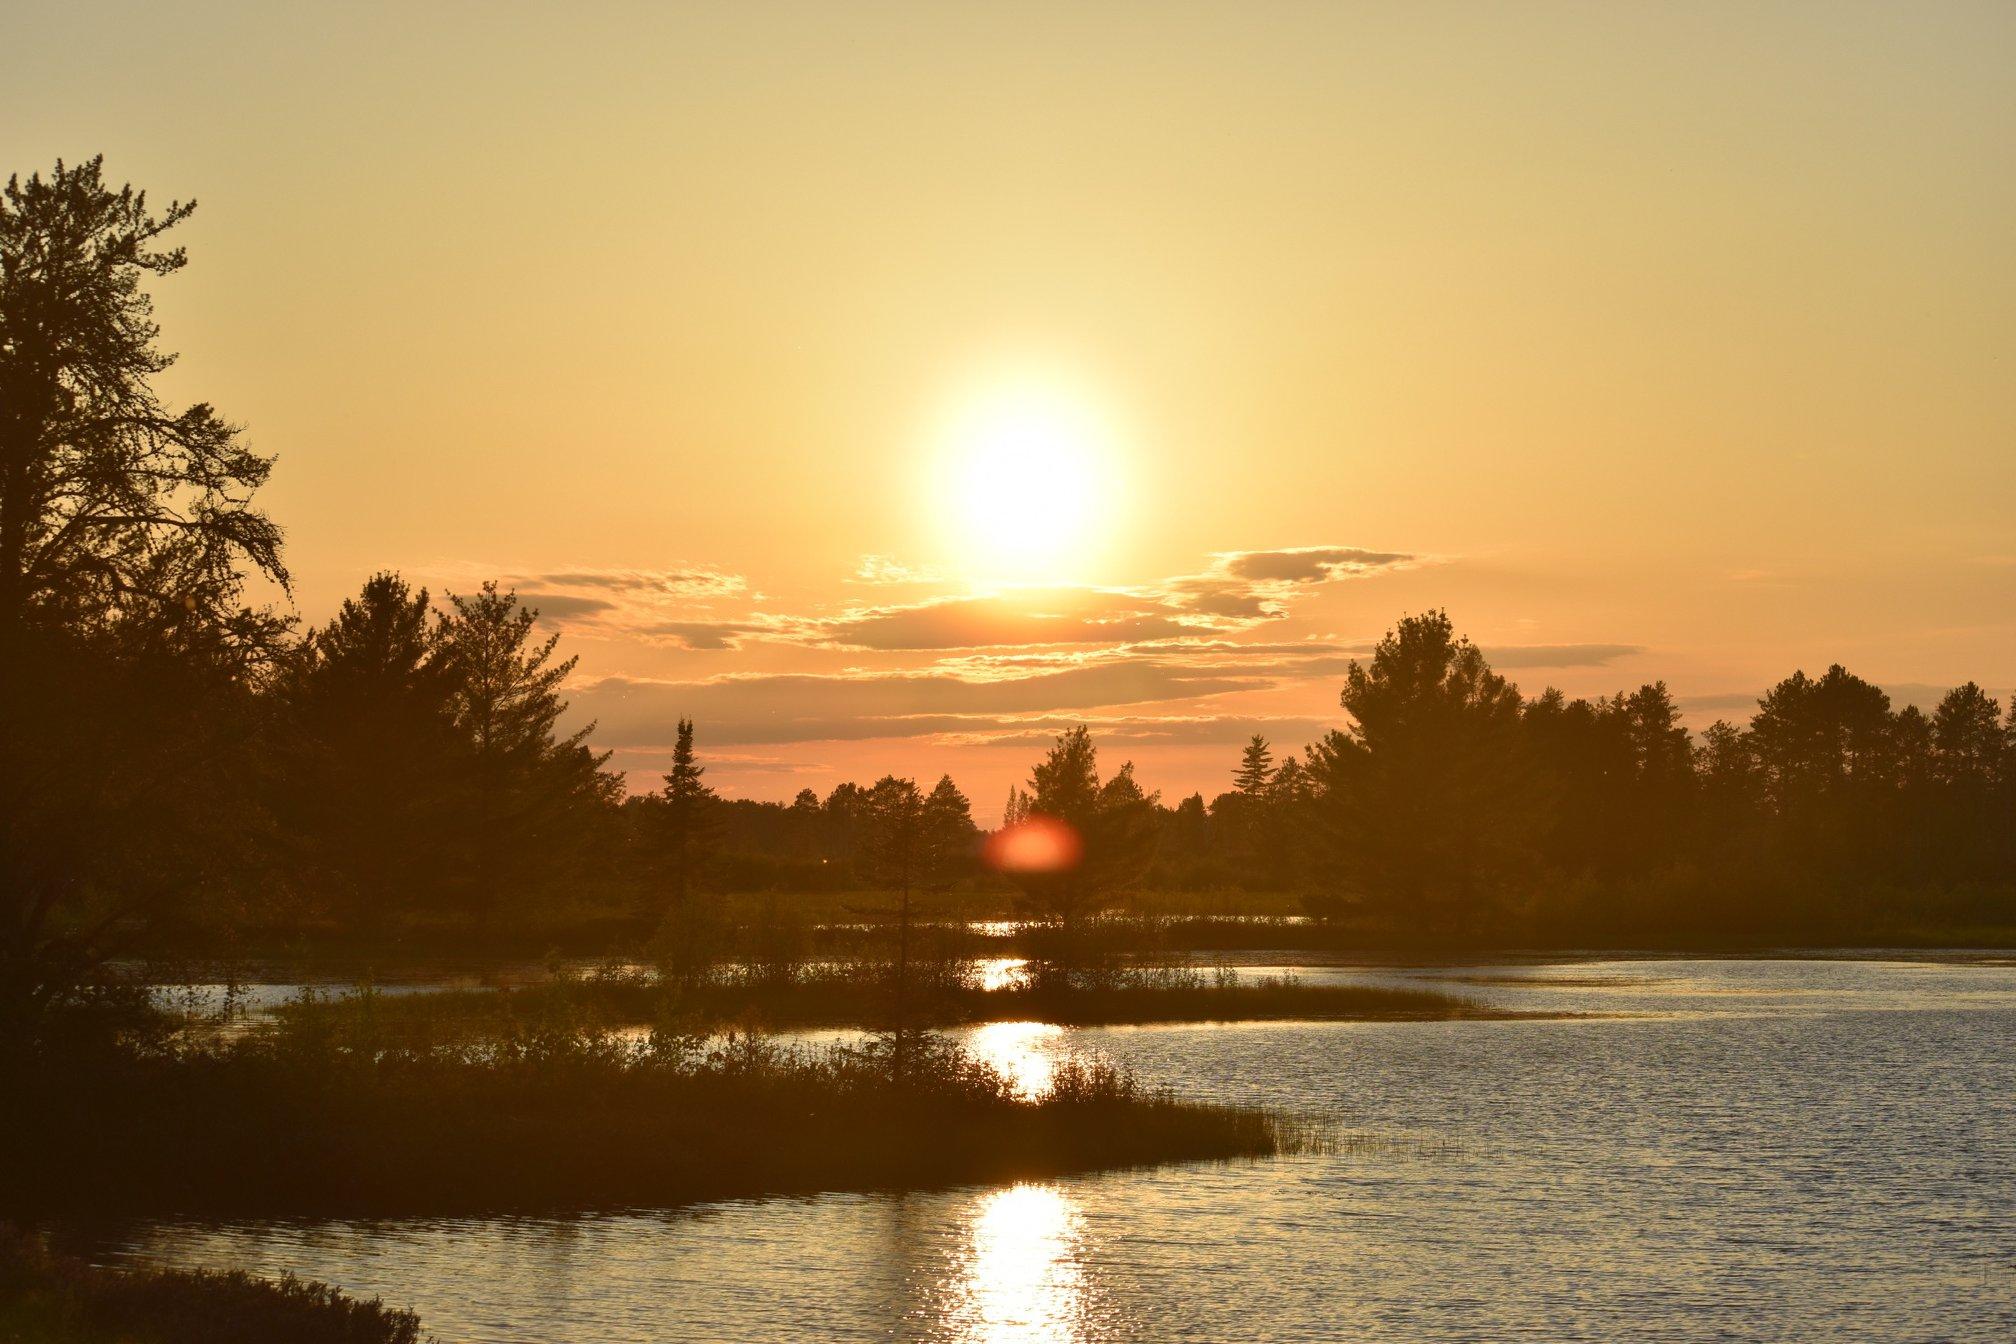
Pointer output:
x,y
1728,1150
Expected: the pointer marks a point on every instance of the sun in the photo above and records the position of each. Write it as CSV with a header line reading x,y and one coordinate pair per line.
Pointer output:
x,y
1029,482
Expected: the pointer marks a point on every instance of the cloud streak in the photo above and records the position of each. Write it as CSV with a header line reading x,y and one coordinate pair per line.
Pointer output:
x,y
1236,591
744,709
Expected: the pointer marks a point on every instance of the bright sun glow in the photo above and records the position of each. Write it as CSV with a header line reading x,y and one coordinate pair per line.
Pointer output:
x,y
1029,486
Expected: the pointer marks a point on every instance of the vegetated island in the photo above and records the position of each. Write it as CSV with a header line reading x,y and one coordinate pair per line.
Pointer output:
x,y
291,1120
863,996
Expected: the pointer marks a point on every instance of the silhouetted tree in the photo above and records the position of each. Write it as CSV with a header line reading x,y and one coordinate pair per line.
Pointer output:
x,y
1430,804
1726,764
1810,738
1914,760
539,799
686,826
127,661
109,499
896,854
1115,822
1967,739
949,833
375,777
1256,768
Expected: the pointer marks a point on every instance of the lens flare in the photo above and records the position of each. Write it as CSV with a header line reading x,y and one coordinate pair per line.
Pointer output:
x,y
1038,845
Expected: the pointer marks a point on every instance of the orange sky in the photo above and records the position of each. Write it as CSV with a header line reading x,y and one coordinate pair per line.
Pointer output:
x,y
1649,340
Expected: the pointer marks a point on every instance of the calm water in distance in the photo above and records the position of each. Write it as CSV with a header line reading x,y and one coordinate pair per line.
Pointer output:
x,y
1760,1150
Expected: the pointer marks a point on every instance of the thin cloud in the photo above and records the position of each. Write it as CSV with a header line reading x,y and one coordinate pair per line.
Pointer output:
x,y
689,582
1051,616
883,569
1253,586
1306,564
746,709
564,606
1516,656
1238,590
700,635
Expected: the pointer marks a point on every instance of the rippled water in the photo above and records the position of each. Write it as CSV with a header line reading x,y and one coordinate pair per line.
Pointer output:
x,y
1763,1150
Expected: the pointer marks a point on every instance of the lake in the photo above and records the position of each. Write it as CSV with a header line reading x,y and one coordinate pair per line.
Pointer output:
x,y
1718,1150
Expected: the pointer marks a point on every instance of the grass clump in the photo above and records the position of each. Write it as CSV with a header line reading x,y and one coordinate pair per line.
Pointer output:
x,y
54,1299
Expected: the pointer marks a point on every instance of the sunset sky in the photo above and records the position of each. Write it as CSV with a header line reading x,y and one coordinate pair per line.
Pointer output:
x,y
885,386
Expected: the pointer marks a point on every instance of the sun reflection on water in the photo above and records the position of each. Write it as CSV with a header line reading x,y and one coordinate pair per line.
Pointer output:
x,y
1002,972
1025,1053
1023,1278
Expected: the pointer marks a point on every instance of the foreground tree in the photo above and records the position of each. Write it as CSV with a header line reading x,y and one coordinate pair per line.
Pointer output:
x,y
110,500
127,657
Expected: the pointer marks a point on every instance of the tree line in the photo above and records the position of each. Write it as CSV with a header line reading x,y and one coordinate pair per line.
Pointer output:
x,y
1454,804
174,756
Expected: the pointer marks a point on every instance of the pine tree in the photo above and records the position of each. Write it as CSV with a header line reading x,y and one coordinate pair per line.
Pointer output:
x,y
128,775
539,797
1256,768
949,833
687,824
1065,783
1017,809
1967,736
110,500
895,854
374,773
1429,801
1116,825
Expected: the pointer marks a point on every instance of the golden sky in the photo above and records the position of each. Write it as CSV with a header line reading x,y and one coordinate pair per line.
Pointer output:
x,y
771,343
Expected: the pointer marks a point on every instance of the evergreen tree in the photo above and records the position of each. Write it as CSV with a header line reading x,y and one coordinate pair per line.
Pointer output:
x,y
1430,802
540,799
128,664
896,855
1291,785
1811,738
1967,738
1726,764
1662,756
1114,822
1256,768
374,769
686,824
110,500
949,833
1913,751
1065,783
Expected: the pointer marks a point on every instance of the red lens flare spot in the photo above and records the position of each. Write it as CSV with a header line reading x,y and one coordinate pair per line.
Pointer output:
x,y
1038,845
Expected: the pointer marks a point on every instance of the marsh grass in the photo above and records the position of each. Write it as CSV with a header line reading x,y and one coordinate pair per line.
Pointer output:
x,y
54,1299
315,1117
862,994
